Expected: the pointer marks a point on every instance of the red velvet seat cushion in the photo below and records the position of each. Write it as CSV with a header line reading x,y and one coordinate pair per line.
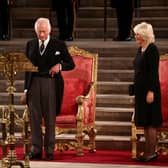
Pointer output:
x,y
66,121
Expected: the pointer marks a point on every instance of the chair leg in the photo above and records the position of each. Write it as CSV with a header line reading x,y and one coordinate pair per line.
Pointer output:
x,y
134,142
162,147
79,138
92,136
79,146
134,148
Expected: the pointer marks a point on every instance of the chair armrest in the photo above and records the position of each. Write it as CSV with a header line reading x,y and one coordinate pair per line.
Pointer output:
x,y
80,99
86,101
132,102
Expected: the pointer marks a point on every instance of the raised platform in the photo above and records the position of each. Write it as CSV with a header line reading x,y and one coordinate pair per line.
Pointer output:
x,y
113,108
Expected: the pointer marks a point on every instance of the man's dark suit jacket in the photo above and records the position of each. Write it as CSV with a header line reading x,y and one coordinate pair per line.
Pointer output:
x,y
55,52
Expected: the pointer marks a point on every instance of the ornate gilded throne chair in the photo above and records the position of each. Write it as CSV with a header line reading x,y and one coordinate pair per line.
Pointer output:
x,y
138,132
77,116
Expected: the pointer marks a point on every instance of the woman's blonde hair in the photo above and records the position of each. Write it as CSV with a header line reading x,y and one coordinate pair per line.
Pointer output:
x,y
145,30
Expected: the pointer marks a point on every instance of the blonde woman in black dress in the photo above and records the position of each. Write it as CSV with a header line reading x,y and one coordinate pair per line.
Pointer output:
x,y
147,89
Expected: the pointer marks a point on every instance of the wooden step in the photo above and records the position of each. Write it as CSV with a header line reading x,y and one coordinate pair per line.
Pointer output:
x,y
104,128
106,48
113,114
102,86
98,12
88,16
112,22
4,98
100,3
30,3
114,87
82,33
115,75
90,3
113,128
113,100
113,107
115,63
102,141
102,113
18,84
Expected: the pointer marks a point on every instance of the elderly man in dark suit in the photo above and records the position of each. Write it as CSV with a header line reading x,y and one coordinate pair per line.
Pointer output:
x,y
44,89
124,12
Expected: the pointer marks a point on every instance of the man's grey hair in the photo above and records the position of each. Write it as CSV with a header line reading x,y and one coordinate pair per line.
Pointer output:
x,y
42,20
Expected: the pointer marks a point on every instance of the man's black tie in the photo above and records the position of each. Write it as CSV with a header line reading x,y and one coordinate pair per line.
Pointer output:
x,y
42,47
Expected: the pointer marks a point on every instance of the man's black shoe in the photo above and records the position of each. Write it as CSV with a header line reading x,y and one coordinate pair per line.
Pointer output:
x,y
122,39
128,39
35,156
4,37
49,156
69,39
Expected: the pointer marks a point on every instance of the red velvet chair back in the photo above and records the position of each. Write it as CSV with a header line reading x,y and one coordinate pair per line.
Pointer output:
x,y
163,74
77,82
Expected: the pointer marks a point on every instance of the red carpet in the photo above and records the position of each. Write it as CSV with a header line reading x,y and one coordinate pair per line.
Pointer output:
x,y
101,157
